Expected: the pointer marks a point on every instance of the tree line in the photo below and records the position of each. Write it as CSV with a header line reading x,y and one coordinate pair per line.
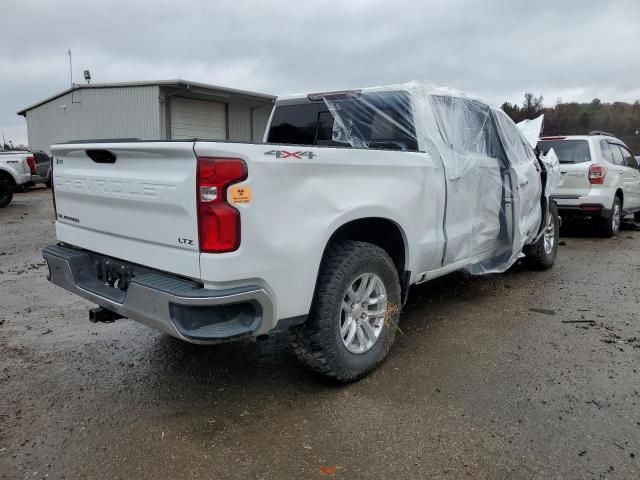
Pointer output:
x,y
618,118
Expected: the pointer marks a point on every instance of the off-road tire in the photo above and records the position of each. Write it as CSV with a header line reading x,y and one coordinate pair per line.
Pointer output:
x,y
6,192
538,258
606,224
317,343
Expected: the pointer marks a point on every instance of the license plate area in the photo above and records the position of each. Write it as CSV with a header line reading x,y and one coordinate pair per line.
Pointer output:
x,y
114,274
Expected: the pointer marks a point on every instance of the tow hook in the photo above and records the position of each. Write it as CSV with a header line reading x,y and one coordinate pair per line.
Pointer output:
x,y
103,315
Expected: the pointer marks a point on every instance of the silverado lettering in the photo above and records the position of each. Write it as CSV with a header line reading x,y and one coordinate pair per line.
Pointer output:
x,y
115,187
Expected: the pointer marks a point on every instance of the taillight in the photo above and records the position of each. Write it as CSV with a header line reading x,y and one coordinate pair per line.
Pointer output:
x,y
218,222
597,173
31,161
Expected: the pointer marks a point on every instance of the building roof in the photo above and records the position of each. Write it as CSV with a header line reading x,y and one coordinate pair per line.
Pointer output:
x,y
165,83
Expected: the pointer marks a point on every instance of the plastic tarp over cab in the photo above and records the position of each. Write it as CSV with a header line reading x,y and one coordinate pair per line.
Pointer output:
x,y
492,176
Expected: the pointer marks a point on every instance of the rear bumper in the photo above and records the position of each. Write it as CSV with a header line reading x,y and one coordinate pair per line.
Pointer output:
x,y
594,204
585,210
162,301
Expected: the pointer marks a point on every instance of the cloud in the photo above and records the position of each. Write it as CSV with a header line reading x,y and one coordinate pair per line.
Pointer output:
x,y
574,50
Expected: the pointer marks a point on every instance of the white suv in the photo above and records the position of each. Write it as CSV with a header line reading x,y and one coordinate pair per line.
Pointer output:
x,y
600,178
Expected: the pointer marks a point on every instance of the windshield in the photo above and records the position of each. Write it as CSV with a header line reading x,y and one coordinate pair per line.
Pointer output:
x,y
567,151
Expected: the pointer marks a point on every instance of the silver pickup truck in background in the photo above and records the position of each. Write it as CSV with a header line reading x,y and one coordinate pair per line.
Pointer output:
x,y
17,169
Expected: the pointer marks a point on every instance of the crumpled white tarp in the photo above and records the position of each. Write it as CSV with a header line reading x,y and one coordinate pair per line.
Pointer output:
x,y
489,165
531,129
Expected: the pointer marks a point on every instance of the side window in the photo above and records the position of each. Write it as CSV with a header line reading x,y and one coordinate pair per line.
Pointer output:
x,y
606,151
516,146
617,154
629,159
466,125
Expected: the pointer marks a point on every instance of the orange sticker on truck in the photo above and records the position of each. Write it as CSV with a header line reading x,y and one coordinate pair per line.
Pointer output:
x,y
241,194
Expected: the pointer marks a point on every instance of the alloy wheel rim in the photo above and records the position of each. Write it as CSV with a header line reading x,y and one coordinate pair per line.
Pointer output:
x,y
549,236
616,217
361,319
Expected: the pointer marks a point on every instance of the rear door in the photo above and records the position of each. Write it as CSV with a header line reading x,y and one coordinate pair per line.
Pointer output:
x,y
634,179
133,201
476,224
627,176
575,158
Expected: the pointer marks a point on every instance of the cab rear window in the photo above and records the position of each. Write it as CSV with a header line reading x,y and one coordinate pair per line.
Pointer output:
x,y
567,151
376,120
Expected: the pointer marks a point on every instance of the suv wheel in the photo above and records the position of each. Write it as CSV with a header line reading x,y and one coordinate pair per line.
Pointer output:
x,y
6,192
610,225
542,254
354,313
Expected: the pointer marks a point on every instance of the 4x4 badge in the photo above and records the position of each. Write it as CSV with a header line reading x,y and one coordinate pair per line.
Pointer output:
x,y
286,154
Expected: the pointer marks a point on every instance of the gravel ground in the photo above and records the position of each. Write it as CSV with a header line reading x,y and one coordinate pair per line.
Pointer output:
x,y
489,379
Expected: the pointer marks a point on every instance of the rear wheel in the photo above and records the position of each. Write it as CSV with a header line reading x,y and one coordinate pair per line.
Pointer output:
x,y
636,217
610,225
6,192
542,254
354,314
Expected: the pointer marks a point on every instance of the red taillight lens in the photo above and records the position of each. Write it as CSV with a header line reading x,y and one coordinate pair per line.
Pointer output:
x,y
31,161
218,222
597,173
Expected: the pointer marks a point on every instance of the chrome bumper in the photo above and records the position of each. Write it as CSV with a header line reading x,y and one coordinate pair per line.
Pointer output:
x,y
159,300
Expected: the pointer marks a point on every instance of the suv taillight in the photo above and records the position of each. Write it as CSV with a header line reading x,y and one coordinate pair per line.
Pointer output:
x,y
597,173
31,161
218,222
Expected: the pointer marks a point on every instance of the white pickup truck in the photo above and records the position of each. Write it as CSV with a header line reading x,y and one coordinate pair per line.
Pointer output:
x,y
353,197
16,170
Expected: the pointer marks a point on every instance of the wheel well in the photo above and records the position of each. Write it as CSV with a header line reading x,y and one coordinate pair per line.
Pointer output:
x,y
382,232
619,194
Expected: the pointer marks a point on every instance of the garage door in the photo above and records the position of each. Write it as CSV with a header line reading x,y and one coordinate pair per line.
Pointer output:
x,y
191,118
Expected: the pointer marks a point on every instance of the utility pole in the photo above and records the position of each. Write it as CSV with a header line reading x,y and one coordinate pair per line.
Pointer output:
x,y
70,67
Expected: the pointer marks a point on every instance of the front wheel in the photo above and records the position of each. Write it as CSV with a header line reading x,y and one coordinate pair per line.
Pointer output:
x,y
542,254
354,313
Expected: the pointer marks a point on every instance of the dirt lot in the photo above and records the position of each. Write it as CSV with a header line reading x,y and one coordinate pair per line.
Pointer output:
x,y
488,380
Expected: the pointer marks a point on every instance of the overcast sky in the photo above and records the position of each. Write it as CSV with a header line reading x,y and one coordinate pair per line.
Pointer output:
x,y
498,49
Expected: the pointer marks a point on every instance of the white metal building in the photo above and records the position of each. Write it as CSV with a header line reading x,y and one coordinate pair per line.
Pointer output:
x,y
154,110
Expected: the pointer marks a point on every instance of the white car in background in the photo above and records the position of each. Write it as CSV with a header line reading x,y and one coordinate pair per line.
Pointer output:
x,y
16,170
600,178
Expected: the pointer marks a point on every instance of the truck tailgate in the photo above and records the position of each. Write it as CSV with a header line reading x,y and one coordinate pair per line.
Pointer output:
x,y
139,207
